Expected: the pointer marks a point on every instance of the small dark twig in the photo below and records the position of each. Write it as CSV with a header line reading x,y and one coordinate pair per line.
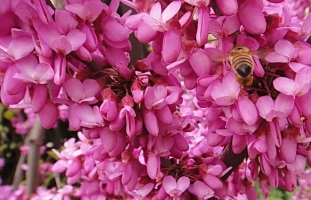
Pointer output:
x,y
91,65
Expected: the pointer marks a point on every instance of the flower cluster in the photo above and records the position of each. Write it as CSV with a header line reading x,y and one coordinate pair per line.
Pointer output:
x,y
160,128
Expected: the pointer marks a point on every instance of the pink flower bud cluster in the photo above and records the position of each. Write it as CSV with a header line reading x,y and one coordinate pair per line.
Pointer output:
x,y
158,129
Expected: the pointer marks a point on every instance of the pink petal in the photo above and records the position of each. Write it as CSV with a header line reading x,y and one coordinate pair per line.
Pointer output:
x,y
74,121
238,143
114,31
151,122
261,145
132,21
183,183
8,99
164,114
40,94
171,52
66,25
145,190
108,138
145,33
295,66
152,166
60,65
74,167
285,48
272,153
8,22
149,97
155,11
91,87
180,142
288,149
232,87
285,85
127,175
201,190
59,166
44,73
250,8
203,25
91,38
115,56
62,45
20,47
133,182
306,28
275,1
304,104
90,117
216,29
76,38
12,85
109,110
284,104
48,114
170,11
247,110
74,179
231,24
169,184
200,62
303,55
74,89
48,33
264,106
303,81
118,123
265,165
228,7
119,147
274,57
212,181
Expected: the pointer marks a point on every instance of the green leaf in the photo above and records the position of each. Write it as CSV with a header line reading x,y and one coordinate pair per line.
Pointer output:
x,y
52,154
8,114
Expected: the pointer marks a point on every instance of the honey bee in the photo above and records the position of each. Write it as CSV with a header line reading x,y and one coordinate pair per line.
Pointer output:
x,y
242,63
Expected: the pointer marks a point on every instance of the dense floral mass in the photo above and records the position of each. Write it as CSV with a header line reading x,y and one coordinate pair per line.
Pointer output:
x,y
166,126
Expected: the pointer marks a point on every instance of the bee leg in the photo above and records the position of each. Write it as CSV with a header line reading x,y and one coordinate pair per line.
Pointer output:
x,y
249,81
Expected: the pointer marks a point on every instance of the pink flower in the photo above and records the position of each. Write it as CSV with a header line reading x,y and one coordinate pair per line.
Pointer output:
x,y
158,19
88,11
280,108
82,92
201,190
226,92
173,188
298,87
284,52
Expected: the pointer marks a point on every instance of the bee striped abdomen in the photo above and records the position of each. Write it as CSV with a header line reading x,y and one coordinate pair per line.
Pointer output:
x,y
241,61
243,66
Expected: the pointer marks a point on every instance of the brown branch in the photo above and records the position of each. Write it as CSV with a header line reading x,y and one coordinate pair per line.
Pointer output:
x,y
18,175
232,160
34,142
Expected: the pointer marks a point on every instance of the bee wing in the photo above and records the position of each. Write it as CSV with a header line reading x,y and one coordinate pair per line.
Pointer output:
x,y
215,54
